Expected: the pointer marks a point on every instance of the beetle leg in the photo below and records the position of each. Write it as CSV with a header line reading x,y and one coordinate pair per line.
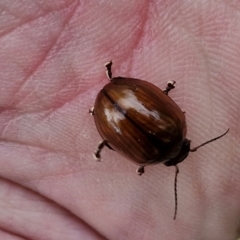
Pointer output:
x,y
107,145
91,111
100,146
170,86
108,66
140,170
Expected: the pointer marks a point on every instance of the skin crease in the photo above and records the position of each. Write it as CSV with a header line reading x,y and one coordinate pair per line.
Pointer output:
x,y
52,59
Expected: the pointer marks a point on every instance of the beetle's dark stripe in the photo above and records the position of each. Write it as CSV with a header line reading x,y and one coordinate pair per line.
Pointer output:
x,y
119,108
157,143
124,113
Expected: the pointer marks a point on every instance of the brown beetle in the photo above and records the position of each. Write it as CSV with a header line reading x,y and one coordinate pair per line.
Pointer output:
x,y
141,122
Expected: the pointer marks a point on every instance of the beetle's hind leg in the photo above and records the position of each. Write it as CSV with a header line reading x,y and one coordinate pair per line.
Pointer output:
x,y
108,66
170,86
91,111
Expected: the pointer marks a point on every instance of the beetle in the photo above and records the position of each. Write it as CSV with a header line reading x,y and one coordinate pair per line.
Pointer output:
x,y
141,122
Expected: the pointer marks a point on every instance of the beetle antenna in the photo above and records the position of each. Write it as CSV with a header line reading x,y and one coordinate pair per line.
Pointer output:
x,y
175,192
214,139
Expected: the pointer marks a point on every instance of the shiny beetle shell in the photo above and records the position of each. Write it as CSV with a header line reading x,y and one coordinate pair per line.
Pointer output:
x,y
139,121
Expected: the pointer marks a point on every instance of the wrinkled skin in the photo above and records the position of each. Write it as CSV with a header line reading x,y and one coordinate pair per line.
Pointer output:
x,y
51,59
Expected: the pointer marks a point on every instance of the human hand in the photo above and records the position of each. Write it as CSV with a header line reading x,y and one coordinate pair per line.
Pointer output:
x,y
51,60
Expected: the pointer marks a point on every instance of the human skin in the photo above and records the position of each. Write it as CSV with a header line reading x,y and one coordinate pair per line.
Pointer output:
x,y
52,56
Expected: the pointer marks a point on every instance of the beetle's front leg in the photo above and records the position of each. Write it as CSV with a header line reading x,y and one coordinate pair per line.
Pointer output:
x,y
170,86
97,153
140,170
101,145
